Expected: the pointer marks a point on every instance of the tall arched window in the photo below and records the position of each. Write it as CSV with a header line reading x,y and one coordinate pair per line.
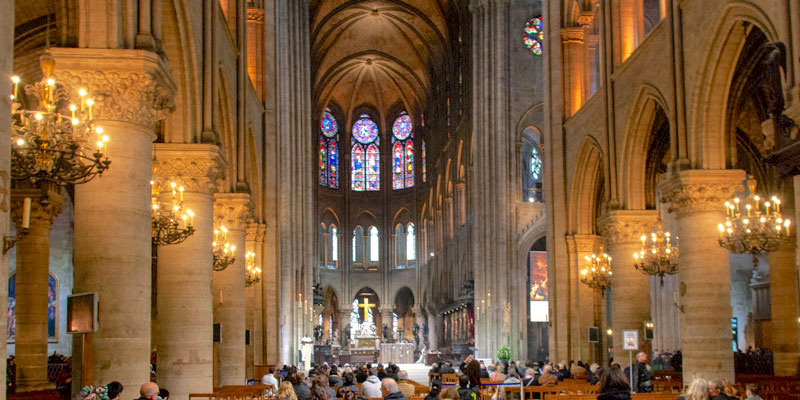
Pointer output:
x,y
402,152
358,247
322,246
328,151
366,159
532,165
374,245
411,245
333,247
400,247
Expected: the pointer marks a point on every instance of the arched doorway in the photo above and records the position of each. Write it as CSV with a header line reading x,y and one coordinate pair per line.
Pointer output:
x,y
328,321
403,315
366,307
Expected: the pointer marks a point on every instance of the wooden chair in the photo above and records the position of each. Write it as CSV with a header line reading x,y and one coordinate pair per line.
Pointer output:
x,y
449,379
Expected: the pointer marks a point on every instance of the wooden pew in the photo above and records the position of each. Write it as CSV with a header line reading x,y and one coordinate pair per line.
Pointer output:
x,y
448,379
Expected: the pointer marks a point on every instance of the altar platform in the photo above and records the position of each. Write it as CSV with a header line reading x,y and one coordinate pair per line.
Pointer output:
x,y
397,353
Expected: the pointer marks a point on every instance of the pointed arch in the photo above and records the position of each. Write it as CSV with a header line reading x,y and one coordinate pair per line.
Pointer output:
x,y
587,187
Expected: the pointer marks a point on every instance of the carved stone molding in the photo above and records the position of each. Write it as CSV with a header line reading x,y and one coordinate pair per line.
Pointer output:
x,y
586,18
131,86
232,210
583,243
196,167
255,233
572,34
40,213
695,191
626,226
255,15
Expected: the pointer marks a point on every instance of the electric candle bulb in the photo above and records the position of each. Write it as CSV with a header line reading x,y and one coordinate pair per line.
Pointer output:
x,y
20,142
15,80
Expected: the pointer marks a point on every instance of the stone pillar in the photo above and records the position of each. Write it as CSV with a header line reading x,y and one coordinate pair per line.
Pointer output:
x,y
112,213
582,298
344,322
386,320
184,302
232,211
33,269
630,289
574,59
257,336
433,337
697,198
783,304
6,68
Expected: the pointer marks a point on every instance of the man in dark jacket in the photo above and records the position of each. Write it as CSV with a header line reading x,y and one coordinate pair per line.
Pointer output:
x,y
464,391
390,391
642,375
716,390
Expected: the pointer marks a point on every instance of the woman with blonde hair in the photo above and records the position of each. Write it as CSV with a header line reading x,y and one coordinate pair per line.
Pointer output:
x,y
698,390
286,391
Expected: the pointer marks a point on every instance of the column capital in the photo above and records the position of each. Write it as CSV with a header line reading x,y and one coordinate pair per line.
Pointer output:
x,y
583,243
196,167
626,226
255,232
232,210
40,212
572,34
694,191
133,86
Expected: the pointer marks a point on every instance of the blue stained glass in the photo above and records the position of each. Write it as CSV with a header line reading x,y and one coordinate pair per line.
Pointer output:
x,y
373,168
402,127
357,168
328,124
397,166
365,130
333,164
534,35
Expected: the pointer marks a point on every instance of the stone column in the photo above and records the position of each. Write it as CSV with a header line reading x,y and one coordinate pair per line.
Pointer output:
x,y
6,68
344,321
574,59
112,213
433,337
783,304
582,298
697,198
630,289
232,211
386,319
33,269
184,302
257,336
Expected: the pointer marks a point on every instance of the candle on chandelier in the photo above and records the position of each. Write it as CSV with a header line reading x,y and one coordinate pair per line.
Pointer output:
x,y
26,213
82,94
15,80
90,103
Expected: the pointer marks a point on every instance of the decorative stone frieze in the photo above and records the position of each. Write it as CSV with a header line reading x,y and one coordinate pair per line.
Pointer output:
x,y
694,191
196,167
626,226
572,34
583,243
39,213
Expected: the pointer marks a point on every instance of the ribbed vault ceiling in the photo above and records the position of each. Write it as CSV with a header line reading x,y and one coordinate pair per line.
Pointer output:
x,y
377,52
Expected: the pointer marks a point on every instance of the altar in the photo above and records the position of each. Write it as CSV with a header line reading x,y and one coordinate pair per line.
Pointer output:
x,y
398,353
366,345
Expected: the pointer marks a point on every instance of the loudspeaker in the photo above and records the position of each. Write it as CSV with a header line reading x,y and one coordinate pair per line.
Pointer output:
x,y
217,333
594,334
247,337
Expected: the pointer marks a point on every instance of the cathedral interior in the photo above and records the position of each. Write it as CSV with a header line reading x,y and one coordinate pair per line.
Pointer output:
x,y
196,190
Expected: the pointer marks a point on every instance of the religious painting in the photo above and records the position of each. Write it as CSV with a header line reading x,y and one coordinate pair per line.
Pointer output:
x,y
538,290
52,308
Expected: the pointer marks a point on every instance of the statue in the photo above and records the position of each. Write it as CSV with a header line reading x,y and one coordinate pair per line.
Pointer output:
x,y
425,331
367,329
415,332
346,335
386,334
318,334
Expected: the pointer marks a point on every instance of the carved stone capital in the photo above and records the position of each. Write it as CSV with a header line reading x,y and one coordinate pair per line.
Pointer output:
x,y
131,86
626,226
583,243
255,233
41,213
196,167
232,210
586,18
572,34
696,191
255,15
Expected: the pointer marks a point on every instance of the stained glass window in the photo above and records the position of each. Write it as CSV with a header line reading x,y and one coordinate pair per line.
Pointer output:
x,y
366,165
424,164
374,244
328,151
411,243
323,162
334,244
373,168
357,169
402,152
536,165
534,35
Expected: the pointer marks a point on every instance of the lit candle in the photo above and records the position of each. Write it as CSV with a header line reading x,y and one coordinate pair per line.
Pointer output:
x,y
26,213
15,80
180,189
90,103
82,93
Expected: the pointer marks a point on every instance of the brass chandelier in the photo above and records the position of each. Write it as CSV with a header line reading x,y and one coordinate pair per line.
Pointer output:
x,y
48,145
223,251
172,223
753,225
597,272
658,256
252,274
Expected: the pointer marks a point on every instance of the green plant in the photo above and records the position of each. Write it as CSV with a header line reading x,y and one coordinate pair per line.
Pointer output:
x,y
504,353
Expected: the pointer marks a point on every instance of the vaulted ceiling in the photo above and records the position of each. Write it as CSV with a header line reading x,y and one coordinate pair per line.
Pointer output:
x,y
378,52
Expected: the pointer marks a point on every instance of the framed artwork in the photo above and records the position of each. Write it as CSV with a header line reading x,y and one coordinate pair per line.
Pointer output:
x,y
52,308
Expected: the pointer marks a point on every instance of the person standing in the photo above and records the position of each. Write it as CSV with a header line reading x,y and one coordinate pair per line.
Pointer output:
x,y
642,375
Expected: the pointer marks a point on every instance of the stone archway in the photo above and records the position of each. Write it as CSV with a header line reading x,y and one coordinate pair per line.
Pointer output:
x,y
404,312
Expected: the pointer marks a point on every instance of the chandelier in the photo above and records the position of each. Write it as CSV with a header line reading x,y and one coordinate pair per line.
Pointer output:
x,y
597,272
753,225
658,256
252,274
47,145
223,251
171,223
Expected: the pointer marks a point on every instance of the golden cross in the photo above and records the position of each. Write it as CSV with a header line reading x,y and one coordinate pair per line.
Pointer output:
x,y
366,306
